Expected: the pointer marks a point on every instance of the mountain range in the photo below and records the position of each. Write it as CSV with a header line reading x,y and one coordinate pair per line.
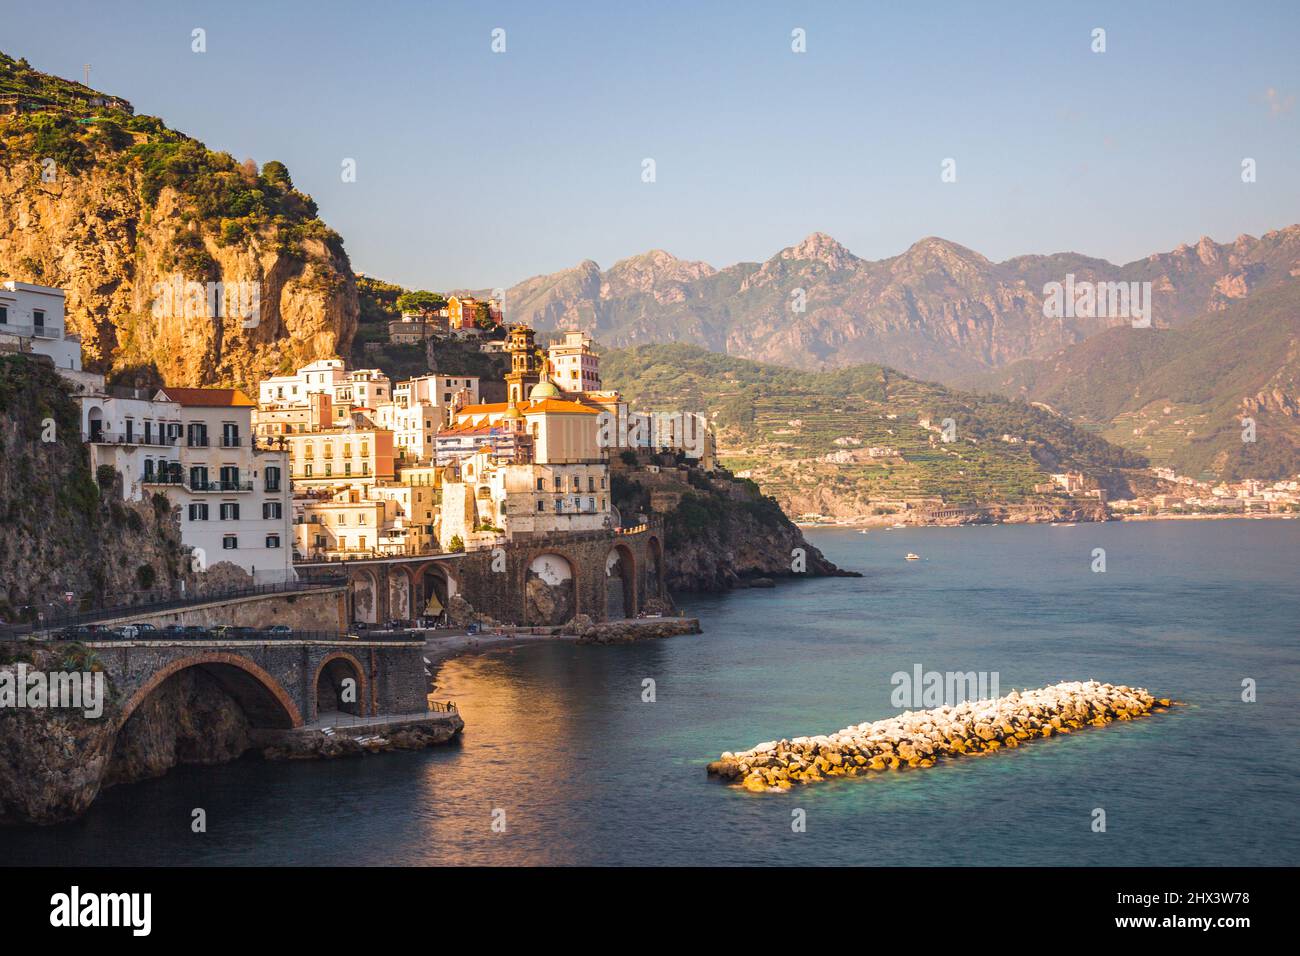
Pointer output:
x,y
939,310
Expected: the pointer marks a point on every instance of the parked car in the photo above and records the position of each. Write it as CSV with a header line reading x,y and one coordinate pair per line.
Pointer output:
x,y
140,631
277,630
196,632
172,632
74,634
243,633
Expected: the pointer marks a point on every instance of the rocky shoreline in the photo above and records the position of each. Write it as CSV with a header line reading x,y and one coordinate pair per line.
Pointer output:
x,y
921,738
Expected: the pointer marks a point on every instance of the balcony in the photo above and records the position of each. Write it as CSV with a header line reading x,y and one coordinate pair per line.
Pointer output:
x,y
102,437
219,486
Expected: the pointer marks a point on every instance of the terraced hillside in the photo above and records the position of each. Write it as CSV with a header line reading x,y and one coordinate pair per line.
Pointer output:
x,y
857,441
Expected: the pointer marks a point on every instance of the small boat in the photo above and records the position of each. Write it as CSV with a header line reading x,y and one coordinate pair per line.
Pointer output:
x,y
864,531
913,557
898,527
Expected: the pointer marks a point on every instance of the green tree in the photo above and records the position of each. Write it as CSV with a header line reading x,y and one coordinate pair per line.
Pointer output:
x,y
420,300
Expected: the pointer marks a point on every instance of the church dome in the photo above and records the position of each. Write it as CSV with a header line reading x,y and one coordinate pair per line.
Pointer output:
x,y
512,413
543,390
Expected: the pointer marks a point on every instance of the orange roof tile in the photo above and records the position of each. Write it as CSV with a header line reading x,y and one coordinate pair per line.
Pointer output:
x,y
209,397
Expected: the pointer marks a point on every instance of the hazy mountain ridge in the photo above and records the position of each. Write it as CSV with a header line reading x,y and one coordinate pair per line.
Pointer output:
x,y
938,310
1179,395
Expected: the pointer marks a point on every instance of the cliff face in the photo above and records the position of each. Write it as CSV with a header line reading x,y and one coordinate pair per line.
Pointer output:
x,y
720,533
51,759
59,531
118,209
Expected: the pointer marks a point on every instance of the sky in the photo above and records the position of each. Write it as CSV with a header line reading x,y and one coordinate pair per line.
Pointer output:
x,y
477,169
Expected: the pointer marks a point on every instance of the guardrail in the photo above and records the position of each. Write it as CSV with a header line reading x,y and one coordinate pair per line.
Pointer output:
x,y
225,635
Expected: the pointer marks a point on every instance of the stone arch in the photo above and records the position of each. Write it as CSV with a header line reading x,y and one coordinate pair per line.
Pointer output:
x,y
334,668
400,607
363,596
429,580
259,694
550,589
655,585
620,583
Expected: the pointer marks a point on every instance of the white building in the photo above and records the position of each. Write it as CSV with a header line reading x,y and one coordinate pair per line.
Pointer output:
x,y
325,376
233,494
135,432
573,365
32,320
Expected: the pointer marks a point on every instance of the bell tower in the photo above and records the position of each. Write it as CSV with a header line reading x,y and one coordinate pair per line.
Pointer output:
x,y
524,370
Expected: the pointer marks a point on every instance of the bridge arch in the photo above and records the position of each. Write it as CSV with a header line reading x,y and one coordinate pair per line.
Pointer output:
x,y
363,596
327,685
259,694
432,579
620,583
550,588
654,569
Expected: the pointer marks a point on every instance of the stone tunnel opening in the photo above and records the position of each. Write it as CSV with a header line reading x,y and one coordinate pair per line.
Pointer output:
x,y
339,689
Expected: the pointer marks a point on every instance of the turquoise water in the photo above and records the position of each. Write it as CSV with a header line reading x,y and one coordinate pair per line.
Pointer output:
x,y
559,738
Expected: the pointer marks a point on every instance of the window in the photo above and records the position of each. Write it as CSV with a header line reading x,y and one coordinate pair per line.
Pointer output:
x,y
541,484
273,478
198,477
591,483
229,543
541,506
559,506
361,519
38,320
273,541
229,511
197,435
347,468
271,510
229,478
199,512
306,470
229,435
4,315
329,469
148,469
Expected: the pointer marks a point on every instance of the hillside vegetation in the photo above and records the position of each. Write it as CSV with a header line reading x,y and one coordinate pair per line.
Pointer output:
x,y
807,436
1178,396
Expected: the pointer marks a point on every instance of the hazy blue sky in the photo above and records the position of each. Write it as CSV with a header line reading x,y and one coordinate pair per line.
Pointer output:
x,y
480,169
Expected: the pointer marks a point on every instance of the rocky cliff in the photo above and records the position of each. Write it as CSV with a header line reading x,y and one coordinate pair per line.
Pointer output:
x,y
721,533
120,211
59,530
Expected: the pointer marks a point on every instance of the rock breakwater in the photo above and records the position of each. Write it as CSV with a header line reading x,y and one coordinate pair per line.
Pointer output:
x,y
922,738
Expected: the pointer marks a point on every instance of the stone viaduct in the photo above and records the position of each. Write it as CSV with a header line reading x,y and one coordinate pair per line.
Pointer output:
x,y
280,683
544,581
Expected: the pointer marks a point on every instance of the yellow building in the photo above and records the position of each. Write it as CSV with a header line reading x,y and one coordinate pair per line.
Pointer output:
x,y
357,456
